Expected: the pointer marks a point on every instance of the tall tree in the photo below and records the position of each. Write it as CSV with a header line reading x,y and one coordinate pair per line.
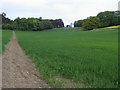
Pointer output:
x,y
91,23
109,18
78,23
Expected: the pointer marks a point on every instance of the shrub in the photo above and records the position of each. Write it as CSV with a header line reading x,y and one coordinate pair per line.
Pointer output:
x,y
78,23
7,26
32,24
91,23
109,18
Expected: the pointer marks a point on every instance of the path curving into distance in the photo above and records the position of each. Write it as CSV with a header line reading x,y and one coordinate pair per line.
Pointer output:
x,y
18,71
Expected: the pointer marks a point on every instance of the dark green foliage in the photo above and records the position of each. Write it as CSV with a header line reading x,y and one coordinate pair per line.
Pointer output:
x,y
7,26
78,23
67,25
91,23
25,24
32,24
21,24
47,24
109,18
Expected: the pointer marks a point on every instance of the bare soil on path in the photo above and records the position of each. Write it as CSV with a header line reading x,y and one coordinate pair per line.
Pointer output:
x,y
18,71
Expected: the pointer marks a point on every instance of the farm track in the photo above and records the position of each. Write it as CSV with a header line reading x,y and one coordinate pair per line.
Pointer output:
x,y
0,71
18,71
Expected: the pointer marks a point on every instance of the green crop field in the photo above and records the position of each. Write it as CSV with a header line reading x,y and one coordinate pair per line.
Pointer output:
x,y
87,58
6,36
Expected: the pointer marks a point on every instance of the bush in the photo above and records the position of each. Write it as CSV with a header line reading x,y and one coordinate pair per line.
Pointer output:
x,y
109,18
32,24
91,23
78,23
7,26
47,24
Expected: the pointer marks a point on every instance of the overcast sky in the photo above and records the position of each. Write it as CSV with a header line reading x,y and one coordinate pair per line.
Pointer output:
x,y
68,10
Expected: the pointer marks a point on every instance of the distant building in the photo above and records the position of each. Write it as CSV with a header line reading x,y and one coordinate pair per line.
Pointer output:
x,y
72,24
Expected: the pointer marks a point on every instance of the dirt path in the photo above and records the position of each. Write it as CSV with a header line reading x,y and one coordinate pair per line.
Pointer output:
x,y
18,70
0,71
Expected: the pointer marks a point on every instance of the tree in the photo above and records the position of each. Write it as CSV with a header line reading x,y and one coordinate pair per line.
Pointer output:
x,y
7,26
67,25
30,24
47,24
78,23
40,18
109,18
91,23
4,14
4,19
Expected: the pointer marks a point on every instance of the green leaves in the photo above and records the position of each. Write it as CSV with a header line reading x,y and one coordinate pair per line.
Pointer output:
x,y
91,23
109,18
28,24
103,19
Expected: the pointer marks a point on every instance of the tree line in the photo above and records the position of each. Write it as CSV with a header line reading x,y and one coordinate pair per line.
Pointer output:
x,y
103,19
30,24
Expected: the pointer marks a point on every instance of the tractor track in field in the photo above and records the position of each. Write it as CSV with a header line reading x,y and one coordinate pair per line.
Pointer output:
x,y
18,71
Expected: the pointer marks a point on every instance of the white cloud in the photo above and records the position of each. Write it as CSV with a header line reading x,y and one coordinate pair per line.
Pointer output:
x,y
69,10
26,3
